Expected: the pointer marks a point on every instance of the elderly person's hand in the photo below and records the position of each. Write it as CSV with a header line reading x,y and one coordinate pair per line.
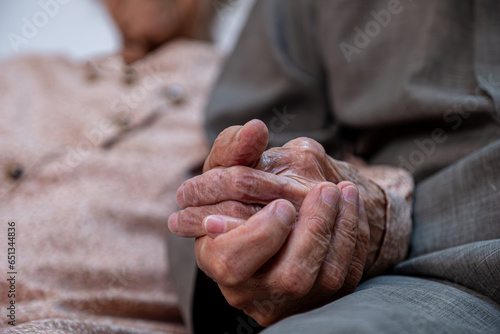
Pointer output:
x,y
145,24
317,261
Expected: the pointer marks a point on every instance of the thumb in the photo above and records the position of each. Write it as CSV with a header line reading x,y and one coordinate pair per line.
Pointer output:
x,y
238,146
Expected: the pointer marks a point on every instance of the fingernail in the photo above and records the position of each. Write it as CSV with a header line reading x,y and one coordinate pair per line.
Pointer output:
x,y
180,197
172,222
285,213
330,196
350,193
238,134
214,225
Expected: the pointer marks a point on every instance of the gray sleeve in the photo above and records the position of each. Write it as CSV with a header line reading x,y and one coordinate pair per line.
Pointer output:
x,y
275,74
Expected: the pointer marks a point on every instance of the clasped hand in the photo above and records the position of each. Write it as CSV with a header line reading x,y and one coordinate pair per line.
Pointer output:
x,y
280,231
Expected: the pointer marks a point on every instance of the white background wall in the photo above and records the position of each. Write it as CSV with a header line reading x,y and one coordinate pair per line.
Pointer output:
x,y
82,29
77,28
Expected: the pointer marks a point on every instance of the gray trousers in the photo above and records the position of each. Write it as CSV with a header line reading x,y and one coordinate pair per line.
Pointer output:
x,y
450,282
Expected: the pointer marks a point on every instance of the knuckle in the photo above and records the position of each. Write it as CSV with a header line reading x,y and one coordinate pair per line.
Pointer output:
x,y
349,214
306,157
219,141
333,284
240,182
236,300
222,138
194,192
334,277
307,151
347,224
320,229
236,209
308,144
182,218
220,268
348,233
265,311
231,208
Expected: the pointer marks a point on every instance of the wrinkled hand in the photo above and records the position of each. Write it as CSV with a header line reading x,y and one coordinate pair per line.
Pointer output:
x,y
145,24
319,260
288,172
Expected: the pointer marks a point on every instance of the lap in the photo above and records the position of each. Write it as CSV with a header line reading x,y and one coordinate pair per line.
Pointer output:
x,y
398,304
456,224
458,205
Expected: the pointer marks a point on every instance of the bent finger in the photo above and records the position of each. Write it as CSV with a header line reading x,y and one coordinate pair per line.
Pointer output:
x,y
233,257
188,223
307,247
238,145
358,261
343,243
242,184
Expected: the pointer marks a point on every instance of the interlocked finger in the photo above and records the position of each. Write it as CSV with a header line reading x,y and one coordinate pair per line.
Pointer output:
x,y
189,223
233,257
242,184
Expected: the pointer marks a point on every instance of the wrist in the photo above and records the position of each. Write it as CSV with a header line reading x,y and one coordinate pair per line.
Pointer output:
x,y
375,202
397,186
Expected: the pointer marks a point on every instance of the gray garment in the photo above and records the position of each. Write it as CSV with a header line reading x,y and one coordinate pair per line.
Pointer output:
x,y
421,92
397,305
434,67
455,246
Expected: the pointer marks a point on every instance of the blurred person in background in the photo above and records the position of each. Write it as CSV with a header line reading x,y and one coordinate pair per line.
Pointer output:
x,y
146,25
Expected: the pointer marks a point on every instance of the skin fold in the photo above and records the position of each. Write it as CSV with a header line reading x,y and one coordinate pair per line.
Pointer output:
x,y
281,231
